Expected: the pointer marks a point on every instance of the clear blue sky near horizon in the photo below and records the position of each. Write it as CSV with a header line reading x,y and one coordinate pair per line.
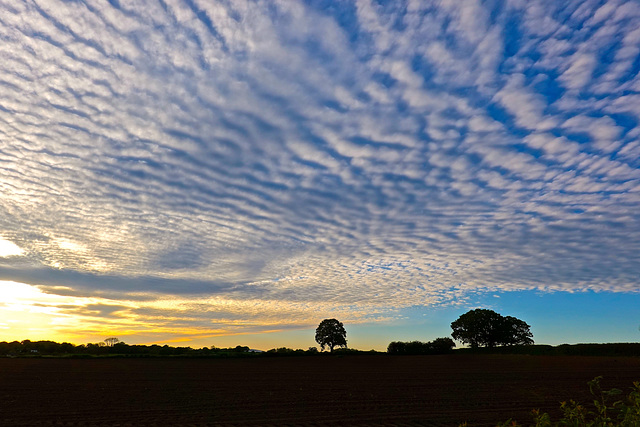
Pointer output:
x,y
232,172
555,318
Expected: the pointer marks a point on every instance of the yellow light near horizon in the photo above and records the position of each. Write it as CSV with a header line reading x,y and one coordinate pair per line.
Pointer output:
x,y
19,318
14,292
50,313
28,313
8,248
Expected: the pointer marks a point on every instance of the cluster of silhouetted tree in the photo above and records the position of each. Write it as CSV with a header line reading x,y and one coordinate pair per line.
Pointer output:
x,y
437,346
478,328
313,351
486,328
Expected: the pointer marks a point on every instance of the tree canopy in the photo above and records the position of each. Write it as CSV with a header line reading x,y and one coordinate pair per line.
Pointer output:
x,y
331,333
486,328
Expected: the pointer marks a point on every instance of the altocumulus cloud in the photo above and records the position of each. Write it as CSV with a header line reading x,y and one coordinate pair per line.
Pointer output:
x,y
248,163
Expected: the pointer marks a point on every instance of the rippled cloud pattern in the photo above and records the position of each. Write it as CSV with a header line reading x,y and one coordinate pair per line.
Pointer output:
x,y
268,162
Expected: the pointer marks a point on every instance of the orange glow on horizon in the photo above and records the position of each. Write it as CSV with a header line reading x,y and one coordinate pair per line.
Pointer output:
x,y
28,313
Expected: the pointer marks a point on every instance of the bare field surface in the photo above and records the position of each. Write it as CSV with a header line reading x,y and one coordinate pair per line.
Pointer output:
x,y
304,391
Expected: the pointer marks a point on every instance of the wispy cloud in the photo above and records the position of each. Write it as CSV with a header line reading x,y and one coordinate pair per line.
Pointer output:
x,y
295,157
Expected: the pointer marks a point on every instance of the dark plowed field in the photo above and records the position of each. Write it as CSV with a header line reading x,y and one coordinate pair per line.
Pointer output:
x,y
350,390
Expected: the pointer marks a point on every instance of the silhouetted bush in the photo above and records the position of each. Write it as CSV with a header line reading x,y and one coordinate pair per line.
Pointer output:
x,y
282,351
610,409
437,346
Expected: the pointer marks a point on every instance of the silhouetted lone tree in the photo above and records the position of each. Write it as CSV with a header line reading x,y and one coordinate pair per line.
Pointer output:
x,y
110,342
486,328
331,333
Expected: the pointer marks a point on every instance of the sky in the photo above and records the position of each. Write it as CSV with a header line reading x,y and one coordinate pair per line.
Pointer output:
x,y
198,172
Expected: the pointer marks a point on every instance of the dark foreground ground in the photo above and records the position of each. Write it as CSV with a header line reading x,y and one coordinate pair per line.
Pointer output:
x,y
311,391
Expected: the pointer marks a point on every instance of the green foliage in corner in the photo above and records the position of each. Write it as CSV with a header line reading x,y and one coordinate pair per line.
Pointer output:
x,y
610,409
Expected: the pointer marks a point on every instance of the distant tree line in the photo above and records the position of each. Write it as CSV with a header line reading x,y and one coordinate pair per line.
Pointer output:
x,y
111,347
484,330
28,348
312,351
437,346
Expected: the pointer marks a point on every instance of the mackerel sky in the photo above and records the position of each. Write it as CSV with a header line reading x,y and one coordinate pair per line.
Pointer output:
x,y
190,169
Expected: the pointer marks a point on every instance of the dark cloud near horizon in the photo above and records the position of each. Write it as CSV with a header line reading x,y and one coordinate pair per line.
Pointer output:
x,y
86,284
390,155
